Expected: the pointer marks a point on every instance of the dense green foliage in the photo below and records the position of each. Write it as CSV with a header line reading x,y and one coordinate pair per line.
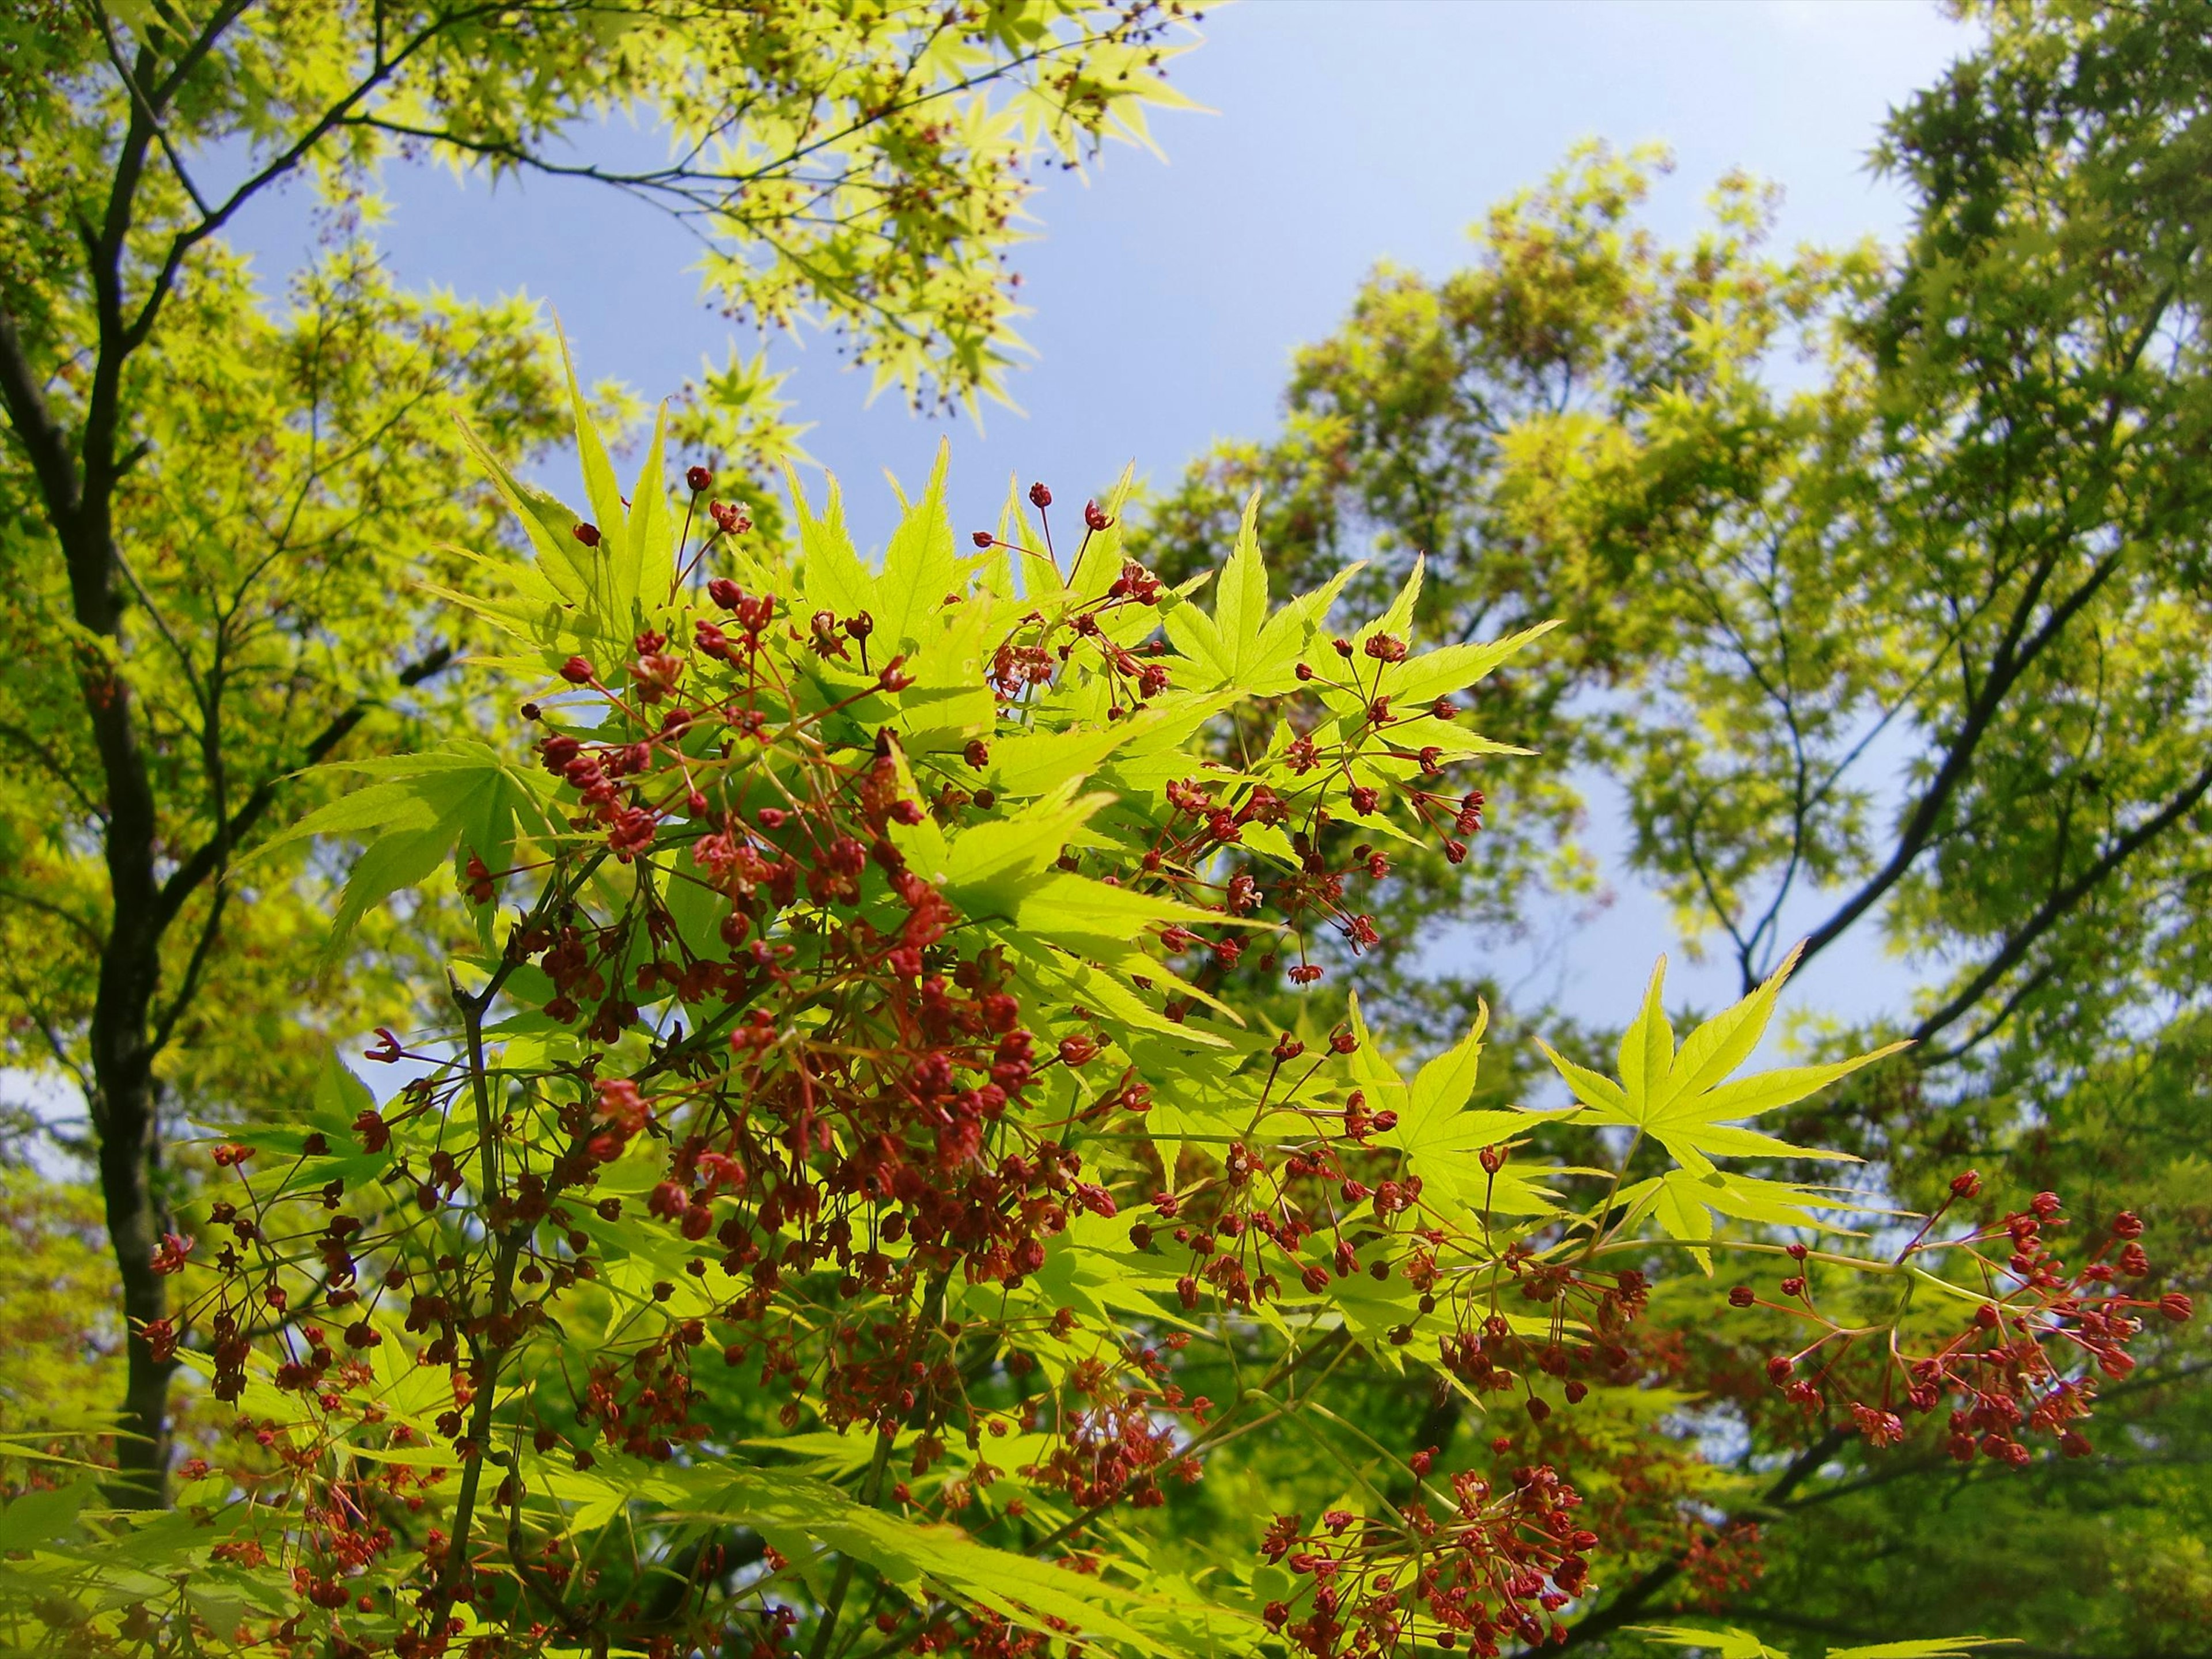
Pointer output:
x,y
213,498
746,1262
1884,579
930,1118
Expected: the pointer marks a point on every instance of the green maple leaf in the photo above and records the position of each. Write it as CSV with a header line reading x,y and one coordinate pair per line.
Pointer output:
x,y
1441,1138
1241,645
1681,1097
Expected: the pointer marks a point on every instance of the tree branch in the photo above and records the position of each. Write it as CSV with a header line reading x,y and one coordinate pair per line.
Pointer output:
x,y
2053,909
214,853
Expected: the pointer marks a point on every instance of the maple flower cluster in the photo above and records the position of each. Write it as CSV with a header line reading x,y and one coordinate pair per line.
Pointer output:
x,y
2030,1350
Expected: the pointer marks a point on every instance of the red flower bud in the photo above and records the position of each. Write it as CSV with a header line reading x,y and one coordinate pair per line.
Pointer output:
x,y
587,533
1743,1296
2176,1306
578,671
1040,497
1966,1184
699,478
169,1254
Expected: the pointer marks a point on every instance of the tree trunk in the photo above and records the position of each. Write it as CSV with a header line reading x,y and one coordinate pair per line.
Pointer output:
x,y
125,1107
137,1216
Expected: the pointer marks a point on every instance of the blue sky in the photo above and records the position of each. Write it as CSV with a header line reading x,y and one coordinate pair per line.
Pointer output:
x,y
1170,296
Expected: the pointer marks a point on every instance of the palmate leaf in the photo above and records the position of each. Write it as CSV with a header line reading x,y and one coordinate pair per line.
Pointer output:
x,y
1679,1097
1442,1139
920,568
1240,645
422,810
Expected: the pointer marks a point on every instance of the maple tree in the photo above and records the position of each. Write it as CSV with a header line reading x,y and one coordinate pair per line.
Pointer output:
x,y
838,1184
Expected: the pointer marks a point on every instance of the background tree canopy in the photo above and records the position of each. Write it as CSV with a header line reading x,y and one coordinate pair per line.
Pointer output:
x,y
1897,640
1880,576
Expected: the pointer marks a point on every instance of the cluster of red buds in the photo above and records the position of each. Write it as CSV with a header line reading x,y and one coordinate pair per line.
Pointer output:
x,y
1461,1561
2029,1353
